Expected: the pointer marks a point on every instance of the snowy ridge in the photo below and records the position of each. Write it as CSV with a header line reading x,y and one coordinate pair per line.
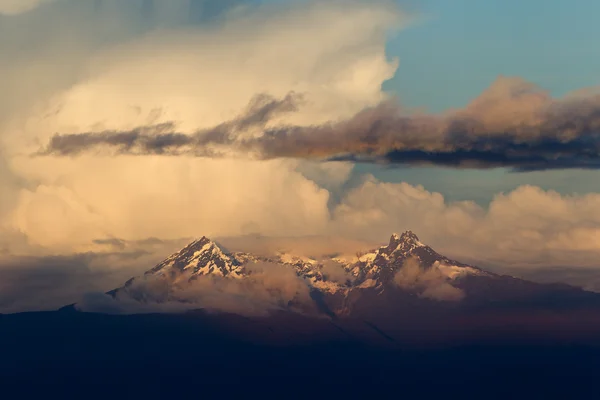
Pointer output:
x,y
370,270
405,278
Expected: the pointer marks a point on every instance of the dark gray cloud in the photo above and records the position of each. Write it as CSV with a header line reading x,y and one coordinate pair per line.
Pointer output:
x,y
36,283
511,125
41,283
164,140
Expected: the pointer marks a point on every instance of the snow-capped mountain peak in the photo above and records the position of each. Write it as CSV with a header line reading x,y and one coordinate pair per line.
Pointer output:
x,y
201,257
205,257
404,243
410,237
373,270
396,276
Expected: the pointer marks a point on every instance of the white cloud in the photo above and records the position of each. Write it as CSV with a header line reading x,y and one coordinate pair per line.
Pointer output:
x,y
528,226
333,55
429,283
332,52
13,7
269,287
168,199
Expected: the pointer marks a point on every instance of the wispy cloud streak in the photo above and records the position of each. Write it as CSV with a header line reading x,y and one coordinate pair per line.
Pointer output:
x,y
163,138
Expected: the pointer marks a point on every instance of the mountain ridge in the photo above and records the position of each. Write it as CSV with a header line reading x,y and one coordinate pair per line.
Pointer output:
x,y
403,276
204,257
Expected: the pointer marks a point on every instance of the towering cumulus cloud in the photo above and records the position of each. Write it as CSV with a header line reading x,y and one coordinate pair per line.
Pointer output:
x,y
303,63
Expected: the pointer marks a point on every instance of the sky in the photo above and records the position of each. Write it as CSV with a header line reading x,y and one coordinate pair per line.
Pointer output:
x,y
461,46
126,129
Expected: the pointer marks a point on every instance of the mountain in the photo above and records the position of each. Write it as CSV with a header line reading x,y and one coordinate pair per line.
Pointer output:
x,y
209,320
374,269
405,280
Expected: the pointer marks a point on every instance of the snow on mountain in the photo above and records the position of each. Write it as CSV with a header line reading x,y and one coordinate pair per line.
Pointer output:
x,y
370,270
201,257
404,277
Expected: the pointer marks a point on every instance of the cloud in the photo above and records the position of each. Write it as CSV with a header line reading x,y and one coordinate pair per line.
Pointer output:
x,y
46,283
317,247
335,272
13,7
169,199
269,287
297,80
512,125
160,139
430,283
155,10
42,281
522,233
326,60
124,86
528,226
